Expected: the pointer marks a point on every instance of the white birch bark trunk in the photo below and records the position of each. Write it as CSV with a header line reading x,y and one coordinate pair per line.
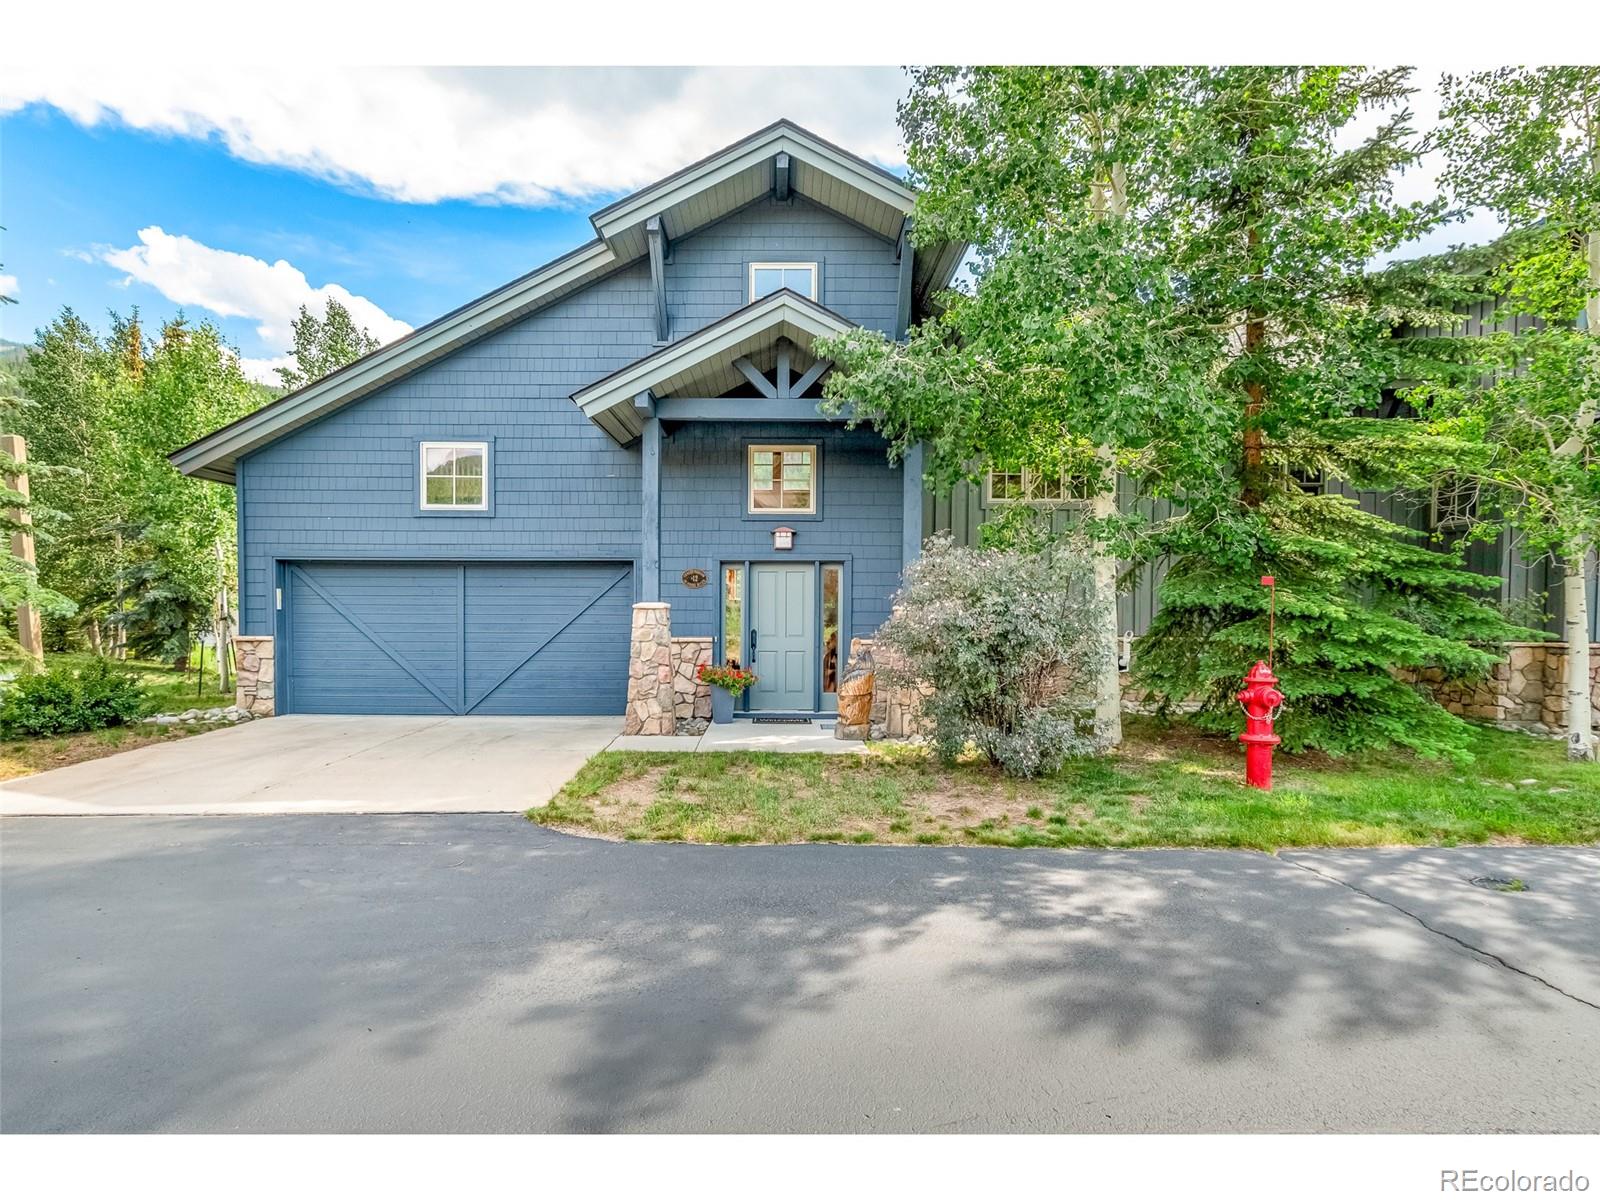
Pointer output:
x,y
1108,695
1575,623
1575,593
1103,505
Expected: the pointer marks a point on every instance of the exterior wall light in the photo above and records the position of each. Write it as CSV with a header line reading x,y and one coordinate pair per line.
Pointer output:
x,y
783,538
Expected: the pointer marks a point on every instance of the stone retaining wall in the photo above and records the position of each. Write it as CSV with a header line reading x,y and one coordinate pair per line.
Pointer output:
x,y
255,676
1528,690
691,695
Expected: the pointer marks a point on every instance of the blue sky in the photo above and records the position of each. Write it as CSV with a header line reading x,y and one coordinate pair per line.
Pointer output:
x,y
406,191
72,194
239,196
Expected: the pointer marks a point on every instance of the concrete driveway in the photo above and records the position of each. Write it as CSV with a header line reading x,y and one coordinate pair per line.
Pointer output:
x,y
317,764
481,974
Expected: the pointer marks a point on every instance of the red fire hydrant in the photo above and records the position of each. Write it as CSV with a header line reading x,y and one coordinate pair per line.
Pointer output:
x,y
1261,702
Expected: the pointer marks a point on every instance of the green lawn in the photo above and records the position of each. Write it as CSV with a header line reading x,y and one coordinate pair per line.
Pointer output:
x,y
1164,788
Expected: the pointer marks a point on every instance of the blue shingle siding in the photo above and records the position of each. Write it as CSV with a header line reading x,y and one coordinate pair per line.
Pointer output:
x,y
703,519
345,488
347,484
709,275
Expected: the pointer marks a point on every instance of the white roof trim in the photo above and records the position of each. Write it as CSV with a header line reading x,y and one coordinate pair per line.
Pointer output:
x,y
781,137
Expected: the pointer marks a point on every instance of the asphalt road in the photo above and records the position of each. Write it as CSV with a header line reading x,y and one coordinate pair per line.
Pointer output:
x,y
477,973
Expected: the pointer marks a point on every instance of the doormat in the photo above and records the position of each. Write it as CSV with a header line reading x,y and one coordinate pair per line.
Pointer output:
x,y
780,720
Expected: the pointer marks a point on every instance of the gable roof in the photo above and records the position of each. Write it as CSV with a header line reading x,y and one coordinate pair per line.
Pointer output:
x,y
703,362
685,201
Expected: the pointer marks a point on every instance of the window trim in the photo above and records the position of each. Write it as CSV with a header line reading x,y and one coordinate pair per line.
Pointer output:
x,y
814,266
483,508
1028,474
750,451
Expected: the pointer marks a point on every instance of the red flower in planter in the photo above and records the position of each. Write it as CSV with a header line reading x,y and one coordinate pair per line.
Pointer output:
x,y
733,680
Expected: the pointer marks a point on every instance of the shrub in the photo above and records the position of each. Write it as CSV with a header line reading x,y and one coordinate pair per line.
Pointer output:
x,y
62,700
1008,641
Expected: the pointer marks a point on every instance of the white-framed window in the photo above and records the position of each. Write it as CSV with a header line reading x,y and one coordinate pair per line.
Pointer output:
x,y
455,475
781,479
1028,486
769,277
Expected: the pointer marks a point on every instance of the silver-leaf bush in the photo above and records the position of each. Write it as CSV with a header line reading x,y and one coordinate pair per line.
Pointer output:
x,y
1008,641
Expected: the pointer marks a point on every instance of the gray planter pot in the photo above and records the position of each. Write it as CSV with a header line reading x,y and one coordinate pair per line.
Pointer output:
x,y
721,706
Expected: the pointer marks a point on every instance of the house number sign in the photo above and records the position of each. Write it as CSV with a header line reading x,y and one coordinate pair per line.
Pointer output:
x,y
694,577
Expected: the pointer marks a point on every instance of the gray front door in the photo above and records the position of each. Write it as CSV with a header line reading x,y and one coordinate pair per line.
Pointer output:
x,y
783,636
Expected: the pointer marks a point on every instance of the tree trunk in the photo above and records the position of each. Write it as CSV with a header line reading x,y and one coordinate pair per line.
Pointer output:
x,y
1103,506
1575,623
119,631
1255,336
1108,694
1575,595
224,623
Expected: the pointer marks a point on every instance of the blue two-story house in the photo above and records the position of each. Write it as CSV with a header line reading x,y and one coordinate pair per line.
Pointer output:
x,y
513,508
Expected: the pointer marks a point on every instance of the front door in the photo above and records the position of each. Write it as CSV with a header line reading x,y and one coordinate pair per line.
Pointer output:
x,y
783,636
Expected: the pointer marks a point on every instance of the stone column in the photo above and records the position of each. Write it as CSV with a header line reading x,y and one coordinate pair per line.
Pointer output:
x,y
651,699
255,677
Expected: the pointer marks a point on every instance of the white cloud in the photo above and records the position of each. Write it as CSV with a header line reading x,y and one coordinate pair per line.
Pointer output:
x,y
9,285
524,135
229,284
265,370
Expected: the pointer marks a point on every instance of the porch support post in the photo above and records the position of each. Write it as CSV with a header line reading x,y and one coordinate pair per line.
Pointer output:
x,y
911,505
650,513
657,238
902,317
783,369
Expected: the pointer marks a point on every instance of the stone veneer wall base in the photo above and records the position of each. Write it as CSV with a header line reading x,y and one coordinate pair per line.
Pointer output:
x,y
255,676
1527,691
691,696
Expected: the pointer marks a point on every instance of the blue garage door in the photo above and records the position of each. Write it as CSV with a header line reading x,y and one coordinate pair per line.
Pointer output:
x,y
529,639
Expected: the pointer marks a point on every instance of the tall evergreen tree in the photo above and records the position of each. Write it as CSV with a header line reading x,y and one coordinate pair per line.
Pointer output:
x,y
1222,338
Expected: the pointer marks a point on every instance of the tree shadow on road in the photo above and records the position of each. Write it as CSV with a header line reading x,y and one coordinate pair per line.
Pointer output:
x,y
484,973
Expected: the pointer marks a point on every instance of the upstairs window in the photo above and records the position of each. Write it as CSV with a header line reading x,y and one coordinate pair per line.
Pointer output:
x,y
455,476
783,479
769,277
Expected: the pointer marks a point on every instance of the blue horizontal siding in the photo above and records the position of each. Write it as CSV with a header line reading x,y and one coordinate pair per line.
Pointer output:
x,y
704,524
345,487
709,276
347,484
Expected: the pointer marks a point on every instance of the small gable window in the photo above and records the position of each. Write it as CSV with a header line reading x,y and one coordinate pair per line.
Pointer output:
x,y
766,278
783,479
455,476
